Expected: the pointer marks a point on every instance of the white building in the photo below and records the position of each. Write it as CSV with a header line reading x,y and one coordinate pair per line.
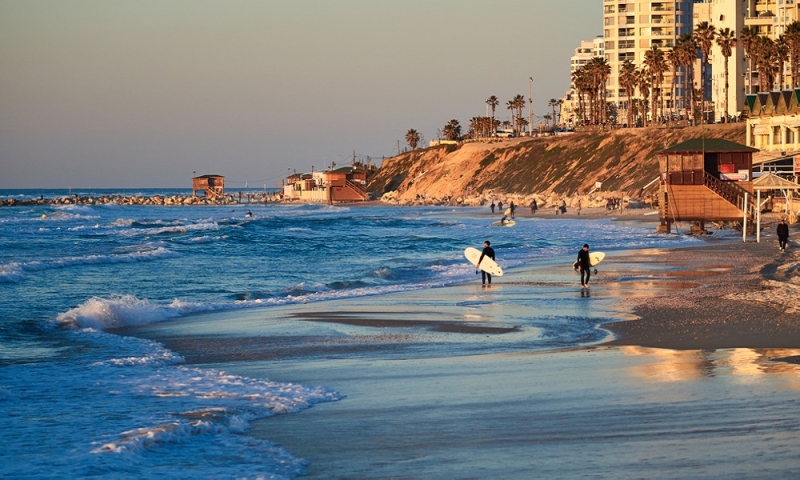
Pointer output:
x,y
631,28
585,52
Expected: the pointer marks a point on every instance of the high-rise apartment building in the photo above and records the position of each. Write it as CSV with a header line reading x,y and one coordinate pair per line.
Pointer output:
x,y
631,28
587,50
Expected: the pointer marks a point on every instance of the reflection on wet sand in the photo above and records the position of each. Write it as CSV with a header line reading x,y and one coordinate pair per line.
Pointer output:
x,y
683,365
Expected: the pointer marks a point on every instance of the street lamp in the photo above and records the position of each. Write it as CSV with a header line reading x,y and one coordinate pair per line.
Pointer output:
x,y
530,105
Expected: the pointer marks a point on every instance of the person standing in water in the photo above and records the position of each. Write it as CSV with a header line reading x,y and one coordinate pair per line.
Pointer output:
x,y
584,265
487,252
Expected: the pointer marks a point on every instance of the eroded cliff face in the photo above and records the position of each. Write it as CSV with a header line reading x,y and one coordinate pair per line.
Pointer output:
x,y
623,160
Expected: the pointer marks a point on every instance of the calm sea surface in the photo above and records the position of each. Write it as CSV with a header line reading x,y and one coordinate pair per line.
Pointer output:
x,y
76,401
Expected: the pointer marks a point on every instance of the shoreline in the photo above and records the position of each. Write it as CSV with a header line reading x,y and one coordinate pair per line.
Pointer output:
x,y
592,410
746,297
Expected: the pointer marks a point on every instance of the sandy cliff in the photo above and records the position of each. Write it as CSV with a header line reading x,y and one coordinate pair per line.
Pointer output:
x,y
522,168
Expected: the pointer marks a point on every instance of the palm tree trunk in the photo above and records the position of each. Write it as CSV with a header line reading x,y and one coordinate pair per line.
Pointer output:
x,y
725,120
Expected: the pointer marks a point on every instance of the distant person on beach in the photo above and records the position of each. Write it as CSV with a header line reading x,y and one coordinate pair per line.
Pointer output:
x,y
562,205
512,207
487,252
584,265
500,206
534,206
783,235
578,207
492,206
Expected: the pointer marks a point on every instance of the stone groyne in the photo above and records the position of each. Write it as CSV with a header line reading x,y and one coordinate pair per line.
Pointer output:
x,y
144,200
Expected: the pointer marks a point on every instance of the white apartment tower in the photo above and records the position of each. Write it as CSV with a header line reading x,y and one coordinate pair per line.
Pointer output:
x,y
631,28
583,54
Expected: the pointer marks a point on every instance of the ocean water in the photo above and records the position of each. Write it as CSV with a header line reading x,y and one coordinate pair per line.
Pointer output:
x,y
78,401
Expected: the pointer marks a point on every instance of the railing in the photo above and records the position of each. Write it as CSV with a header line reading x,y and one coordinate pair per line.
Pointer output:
x,y
731,192
357,187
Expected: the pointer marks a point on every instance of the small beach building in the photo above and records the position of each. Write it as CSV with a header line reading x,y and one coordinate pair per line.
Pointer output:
x,y
212,186
346,184
705,180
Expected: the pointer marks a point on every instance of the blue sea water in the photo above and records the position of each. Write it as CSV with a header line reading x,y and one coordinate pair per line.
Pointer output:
x,y
77,401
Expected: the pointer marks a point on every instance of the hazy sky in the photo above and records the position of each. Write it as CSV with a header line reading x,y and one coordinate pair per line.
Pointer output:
x,y
141,93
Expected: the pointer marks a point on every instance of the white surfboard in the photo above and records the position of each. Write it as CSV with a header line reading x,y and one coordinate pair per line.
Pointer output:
x,y
594,259
487,264
509,223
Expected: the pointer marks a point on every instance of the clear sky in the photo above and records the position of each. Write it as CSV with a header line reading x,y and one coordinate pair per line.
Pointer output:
x,y
143,93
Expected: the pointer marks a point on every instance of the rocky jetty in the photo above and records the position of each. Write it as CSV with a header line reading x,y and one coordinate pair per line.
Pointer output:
x,y
141,200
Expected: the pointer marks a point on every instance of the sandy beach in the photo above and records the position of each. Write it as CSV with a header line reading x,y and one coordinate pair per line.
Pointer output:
x,y
691,375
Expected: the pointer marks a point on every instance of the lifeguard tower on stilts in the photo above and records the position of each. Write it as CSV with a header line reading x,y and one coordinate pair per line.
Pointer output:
x,y
706,180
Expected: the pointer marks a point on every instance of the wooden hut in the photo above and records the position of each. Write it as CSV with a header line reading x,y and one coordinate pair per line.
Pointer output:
x,y
212,186
705,180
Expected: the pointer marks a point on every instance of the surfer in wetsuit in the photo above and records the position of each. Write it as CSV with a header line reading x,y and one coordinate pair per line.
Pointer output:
x,y
584,265
487,252
503,220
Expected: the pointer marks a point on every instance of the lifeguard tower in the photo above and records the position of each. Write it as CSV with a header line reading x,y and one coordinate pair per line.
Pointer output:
x,y
705,180
212,186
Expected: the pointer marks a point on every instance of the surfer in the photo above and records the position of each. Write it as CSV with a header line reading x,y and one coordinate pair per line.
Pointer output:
x,y
534,206
248,214
512,207
492,206
487,252
584,265
503,220
783,235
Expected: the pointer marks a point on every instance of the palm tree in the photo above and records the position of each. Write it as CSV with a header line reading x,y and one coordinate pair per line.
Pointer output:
x,y
493,102
765,53
519,103
674,60
553,103
579,81
748,38
781,57
628,81
656,65
644,89
792,36
547,118
511,106
726,39
687,51
412,138
704,35
452,131
601,70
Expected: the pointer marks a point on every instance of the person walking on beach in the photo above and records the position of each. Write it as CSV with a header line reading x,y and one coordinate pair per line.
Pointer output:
x,y
512,207
578,207
584,265
487,252
783,235
492,206
500,206
534,206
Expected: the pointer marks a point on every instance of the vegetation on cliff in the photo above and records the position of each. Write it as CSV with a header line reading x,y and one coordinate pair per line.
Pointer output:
x,y
623,160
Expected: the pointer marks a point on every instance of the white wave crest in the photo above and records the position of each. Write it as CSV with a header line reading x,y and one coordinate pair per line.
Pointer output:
x,y
15,271
123,310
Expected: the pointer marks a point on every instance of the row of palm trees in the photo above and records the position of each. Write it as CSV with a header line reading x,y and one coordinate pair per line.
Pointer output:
x,y
765,56
486,127
589,82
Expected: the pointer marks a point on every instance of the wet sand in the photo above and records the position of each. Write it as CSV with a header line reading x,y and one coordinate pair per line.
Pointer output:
x,y
717,398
